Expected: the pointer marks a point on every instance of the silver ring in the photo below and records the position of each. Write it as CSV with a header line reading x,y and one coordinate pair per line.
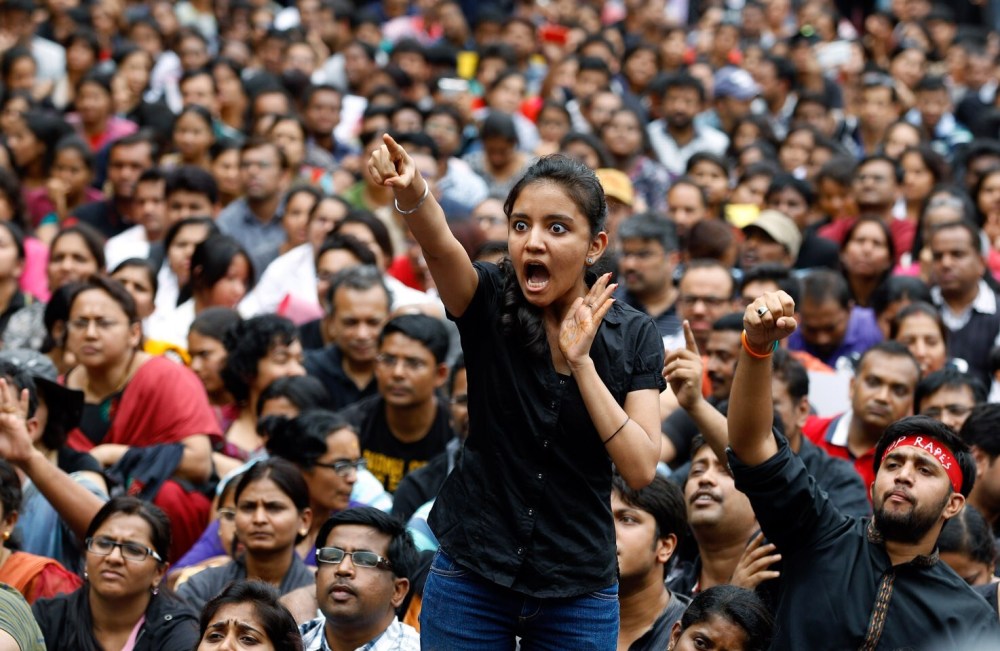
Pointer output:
x,y
762,310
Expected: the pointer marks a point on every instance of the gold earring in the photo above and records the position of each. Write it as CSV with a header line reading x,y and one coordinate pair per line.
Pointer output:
x,y
303,532
6,535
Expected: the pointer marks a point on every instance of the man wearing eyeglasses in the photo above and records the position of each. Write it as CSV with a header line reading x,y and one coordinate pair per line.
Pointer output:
x,y
406,424
364,558
948,396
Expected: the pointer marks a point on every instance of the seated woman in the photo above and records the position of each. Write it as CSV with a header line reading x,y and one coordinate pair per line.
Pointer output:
x,y
76,253
724,616
146,419
138,277
217,545
12,261
221,274
121,605
248,611
35,577
259,351
272,516
918,326
68,188
175,272
208,355
326,450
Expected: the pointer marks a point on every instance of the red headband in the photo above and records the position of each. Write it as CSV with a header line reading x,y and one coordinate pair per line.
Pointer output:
x,y
942,454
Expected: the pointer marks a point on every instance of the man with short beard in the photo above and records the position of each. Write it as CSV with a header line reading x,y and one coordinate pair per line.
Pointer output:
x,y
853,582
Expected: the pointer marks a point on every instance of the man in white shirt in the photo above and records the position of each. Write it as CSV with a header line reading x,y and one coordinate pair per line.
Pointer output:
x,y
149,212
363,559
677,137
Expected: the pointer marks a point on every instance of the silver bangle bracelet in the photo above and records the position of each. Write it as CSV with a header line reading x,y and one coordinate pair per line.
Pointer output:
x,y
427,191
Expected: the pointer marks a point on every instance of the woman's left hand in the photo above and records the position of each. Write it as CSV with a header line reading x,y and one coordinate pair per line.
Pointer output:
x,y
576,334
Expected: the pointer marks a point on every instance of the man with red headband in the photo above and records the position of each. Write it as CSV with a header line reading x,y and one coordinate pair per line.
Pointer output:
x,y
852,583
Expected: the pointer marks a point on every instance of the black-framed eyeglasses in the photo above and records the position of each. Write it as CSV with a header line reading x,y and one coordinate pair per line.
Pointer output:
x,y
956,411
130,551
344,468
335,555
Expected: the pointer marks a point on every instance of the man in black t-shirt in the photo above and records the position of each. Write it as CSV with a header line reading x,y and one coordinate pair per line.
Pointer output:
x,y
406,424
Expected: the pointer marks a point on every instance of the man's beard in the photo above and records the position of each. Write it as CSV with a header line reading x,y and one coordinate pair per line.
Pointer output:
x,y
907,527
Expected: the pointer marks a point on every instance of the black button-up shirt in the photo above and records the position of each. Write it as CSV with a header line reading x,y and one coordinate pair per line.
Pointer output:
x,y
837,581
528,505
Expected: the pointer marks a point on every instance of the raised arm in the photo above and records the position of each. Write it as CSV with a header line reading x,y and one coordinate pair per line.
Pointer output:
x,y
74,503
630,433
446,258
751,413
683,370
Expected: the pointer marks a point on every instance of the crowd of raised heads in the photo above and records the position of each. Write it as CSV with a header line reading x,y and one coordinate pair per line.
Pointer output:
x,y
377,324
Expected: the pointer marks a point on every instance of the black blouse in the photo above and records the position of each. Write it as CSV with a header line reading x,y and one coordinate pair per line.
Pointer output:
x,y
528,505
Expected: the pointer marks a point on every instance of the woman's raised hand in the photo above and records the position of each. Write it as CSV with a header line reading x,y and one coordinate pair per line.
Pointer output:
x,y
584,317
16,445
391,166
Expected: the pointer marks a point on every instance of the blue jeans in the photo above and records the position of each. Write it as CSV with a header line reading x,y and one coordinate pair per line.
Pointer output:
x,y
461,610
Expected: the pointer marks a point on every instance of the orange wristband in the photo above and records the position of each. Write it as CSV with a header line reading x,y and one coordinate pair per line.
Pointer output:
x,y
753,353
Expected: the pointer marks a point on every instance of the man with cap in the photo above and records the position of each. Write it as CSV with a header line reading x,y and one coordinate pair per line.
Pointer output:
x,y
56,508
773,238
850,582
620,195
735,91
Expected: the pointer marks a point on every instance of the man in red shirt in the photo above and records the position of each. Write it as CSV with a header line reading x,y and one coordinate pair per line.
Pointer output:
x,y
881,393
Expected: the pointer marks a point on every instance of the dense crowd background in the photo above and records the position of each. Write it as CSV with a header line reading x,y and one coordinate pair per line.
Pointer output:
x,y
222,322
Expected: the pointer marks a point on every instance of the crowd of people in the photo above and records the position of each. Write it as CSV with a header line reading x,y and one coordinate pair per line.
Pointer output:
x,y
454,324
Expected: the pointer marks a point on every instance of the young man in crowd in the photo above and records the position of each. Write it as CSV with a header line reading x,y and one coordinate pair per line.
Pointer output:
x,y
891,589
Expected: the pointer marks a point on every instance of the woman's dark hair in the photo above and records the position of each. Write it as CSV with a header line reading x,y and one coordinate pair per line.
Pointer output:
x,y
738,606
211,260
246,344
708,157
126,50
898,288
221,146
10,189
886,233
588,140
503,75
374,224
112,288
75,143
302,440
12,56
765,132
92,239
312,191
146,266
215,322
303,391
933,161
159,524
285,476
990,171
17,235
100,79
278,624
48,129
550,105
646,147
198,111
10,489
176,228
968,533
499,125
518,318
917,307
88,37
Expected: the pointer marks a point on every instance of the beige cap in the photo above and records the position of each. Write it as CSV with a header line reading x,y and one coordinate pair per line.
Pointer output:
x,y
617,185
780,228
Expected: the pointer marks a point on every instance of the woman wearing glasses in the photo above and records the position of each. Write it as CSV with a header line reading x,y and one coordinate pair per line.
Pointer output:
x,y
272,516
122,605
327,452
144,418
